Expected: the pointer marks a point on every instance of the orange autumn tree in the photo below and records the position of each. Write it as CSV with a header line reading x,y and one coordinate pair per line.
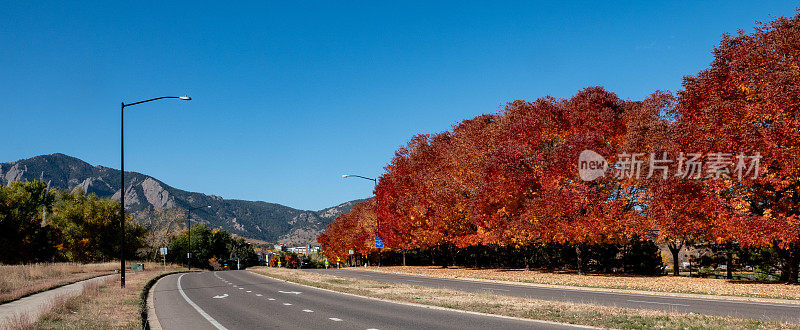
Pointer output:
x,y
400,195
747,102
350,231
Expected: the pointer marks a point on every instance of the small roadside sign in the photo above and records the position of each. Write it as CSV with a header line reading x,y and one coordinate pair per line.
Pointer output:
x,y
163,251
378,242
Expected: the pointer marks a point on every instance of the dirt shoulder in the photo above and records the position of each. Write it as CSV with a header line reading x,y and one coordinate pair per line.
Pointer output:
x,y
562,312
656,285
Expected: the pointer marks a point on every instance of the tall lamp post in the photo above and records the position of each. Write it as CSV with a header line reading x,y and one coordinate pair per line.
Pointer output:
x,y
377,218
188,220
122,180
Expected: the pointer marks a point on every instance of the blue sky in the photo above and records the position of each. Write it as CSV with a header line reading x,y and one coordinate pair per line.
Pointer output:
x,y
290,95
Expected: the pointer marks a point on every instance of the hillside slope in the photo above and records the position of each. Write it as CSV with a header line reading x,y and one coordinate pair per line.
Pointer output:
x,y
252,219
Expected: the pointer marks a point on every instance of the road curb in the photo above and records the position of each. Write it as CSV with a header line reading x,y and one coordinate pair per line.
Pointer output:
x,y
148,309
436,307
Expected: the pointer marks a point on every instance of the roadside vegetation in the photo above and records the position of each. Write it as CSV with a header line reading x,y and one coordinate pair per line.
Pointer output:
x,y
106,306
41,225
573,313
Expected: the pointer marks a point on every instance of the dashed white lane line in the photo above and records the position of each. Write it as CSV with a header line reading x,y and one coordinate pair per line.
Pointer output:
x,y
197,308
259,295
287,304
241,288
308,311
270,298
658,303
335,319
248,291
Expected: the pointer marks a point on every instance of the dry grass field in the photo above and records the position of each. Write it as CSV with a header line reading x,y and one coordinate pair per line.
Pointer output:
x,y
106,307
21,280
584,314
665,284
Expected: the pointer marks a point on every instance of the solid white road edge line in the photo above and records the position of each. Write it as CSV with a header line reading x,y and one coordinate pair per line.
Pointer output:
x,y
437,307
197,308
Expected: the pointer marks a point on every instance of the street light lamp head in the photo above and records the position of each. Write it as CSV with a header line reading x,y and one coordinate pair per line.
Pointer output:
x,y
345,175
185,98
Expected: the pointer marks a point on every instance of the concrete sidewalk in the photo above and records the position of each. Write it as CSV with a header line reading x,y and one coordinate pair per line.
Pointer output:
x,y
33,306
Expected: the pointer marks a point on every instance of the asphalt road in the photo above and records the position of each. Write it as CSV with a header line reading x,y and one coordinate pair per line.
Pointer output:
x,y
745,309
243,300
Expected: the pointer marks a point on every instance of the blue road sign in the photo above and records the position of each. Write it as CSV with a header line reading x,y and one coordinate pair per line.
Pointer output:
x,y
378,242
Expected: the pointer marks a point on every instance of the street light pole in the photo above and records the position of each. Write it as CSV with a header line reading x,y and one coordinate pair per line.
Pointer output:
x,y
189,244
377,218
122,195
122,180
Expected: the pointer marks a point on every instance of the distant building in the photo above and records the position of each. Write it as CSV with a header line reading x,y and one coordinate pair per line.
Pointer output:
x,y
304,249
280,247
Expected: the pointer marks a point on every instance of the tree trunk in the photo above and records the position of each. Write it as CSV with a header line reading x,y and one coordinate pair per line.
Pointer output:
x,y
790,262
525,251
404,257
675,248
729,261
443,255
453,254
580,259
475,255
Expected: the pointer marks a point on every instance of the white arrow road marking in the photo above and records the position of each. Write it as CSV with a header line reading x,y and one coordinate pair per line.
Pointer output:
x,y
197,308
292,292
334,319
221,297
308,311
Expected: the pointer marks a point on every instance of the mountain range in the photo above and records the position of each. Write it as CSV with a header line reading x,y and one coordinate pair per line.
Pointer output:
x,y
270,222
